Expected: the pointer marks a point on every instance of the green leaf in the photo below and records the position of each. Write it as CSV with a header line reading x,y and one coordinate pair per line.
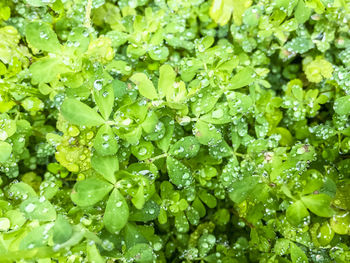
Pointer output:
x,y
241,189
179,174
140,253
47,69
22,190
186,147
8,128
205,100
106,166
5,151
244,77
38,237
104,99
149,212
39,209
207,198
297,254
342,105
318,204
166,80
144,150
38,3
93,254
90,191
139,198
221,11
282,246
117,212
206,133
340,223
105,142
41,36
62,230
219,115
181,222
144,85
296,213
164,142
79,113
159,52
192,215
325,234
312,180
133,235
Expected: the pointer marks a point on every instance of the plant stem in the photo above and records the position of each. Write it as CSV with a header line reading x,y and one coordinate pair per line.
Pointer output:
x,y
151,160
87,22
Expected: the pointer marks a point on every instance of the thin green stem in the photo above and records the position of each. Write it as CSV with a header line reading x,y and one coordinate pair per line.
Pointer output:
x,y
87,22
151,160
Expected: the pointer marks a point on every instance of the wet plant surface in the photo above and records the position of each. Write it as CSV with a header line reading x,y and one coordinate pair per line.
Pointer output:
x,y
175,131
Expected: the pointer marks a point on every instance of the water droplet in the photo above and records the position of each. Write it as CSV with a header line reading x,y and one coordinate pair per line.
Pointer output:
x,y
29,208
142,151
98,84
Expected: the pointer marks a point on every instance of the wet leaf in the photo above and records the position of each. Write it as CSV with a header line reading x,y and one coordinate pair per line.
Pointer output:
x,y
144,85
90,191
318,204
41,36
179,174
117,212
297,213
38,208
79,113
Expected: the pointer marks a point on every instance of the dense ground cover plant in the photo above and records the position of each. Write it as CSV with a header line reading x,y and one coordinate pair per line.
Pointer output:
x,y
174,131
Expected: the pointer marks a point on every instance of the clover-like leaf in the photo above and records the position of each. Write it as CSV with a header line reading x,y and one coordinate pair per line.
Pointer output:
x,y
296,213
302,12
140,253
244,77
149,212
179,174
62,230
181,222
93,254
116,213
318,204
105,100
241,189
106,166
7,128
22,190
207,133
297,254
47,69
90,191
79,113
39,209
144,85
41,36
166,80
340,223
5,151
105,142
342,105
186,147
205,100
34,238
144,150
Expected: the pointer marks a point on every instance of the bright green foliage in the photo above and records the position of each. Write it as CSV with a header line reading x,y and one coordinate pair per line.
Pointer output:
x,y
79,113
175,131
117,212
